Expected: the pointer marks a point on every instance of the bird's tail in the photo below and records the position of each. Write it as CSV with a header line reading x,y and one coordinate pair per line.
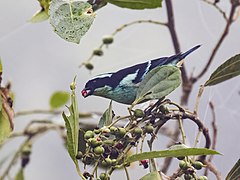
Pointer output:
x,y
183,55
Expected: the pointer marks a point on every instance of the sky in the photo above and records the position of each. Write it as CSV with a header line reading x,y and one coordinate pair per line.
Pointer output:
x,y
38,62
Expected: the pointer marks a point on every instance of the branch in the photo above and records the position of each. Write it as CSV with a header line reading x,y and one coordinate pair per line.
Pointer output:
x,y
235,4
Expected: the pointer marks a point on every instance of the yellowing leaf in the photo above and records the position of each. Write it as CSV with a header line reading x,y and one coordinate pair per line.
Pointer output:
x,y
5,126
42,14
227,70
71,19
59,99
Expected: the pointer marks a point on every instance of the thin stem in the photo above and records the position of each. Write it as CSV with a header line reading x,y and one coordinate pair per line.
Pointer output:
x,y
182,130
127,174
198,100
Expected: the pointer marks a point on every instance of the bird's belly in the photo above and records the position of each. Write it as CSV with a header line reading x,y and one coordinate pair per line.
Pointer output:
x,y
123,94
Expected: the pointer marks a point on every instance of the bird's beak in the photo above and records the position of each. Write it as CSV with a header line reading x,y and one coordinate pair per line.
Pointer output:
x,y
86,92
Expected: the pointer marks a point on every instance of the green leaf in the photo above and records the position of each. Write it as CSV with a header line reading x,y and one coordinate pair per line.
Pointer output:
x,y
5,126
106,118
72,126
71,19
152,176
158,83
20,175
227,70
59,99
170,153
42,14
234,174
137,4
39,17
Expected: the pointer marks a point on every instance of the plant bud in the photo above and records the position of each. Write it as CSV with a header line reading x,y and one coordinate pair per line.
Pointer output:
x,y
149,129
108,39
138,113
89,66
183,165
138,131
98,52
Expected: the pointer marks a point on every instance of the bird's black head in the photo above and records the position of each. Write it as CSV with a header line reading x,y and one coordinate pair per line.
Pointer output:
x,y
94,84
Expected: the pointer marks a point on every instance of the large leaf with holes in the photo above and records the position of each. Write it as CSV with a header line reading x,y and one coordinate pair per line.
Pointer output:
x,y
158,83
137,4
228,70
71,19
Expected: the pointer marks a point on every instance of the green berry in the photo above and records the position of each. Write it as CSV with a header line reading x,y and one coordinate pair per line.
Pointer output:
x,y
98,150
98,52
96,131
79,155
109,142
149,129
138,131
202,178
183,165
108,161
121,132
93,142
89,66
188,177
138,113
108,39
113,129
197,165
103,176
89,134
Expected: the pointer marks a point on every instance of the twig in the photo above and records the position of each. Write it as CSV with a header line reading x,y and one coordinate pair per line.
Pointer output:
x,y
217,7
119,30
126,171
234,6
213,169
214,136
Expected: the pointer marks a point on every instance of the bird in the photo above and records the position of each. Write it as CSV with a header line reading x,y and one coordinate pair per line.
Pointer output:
x,y
122,86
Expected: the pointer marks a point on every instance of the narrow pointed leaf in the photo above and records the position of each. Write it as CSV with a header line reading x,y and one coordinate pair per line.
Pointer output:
x,y
153,176
20,175
159,82
228,70
106,118
72,126
170,153
71,19
234,174
5,126
137,4
59,99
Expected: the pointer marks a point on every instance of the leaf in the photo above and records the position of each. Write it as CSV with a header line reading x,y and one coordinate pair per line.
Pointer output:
x,y
170,153
106,118
159,82
72,126
227,70
153,176
59,99
20,175
5,126
234,174
71,19
137,4
42,14
39,17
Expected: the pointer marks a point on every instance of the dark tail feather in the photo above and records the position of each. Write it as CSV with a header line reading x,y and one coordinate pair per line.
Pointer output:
x,y
189,51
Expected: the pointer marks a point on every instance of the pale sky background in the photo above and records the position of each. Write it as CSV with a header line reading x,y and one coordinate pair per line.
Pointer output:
x,y
38,62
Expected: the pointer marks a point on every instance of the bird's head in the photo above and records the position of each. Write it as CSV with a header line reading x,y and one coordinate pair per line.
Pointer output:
x,y
97,86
